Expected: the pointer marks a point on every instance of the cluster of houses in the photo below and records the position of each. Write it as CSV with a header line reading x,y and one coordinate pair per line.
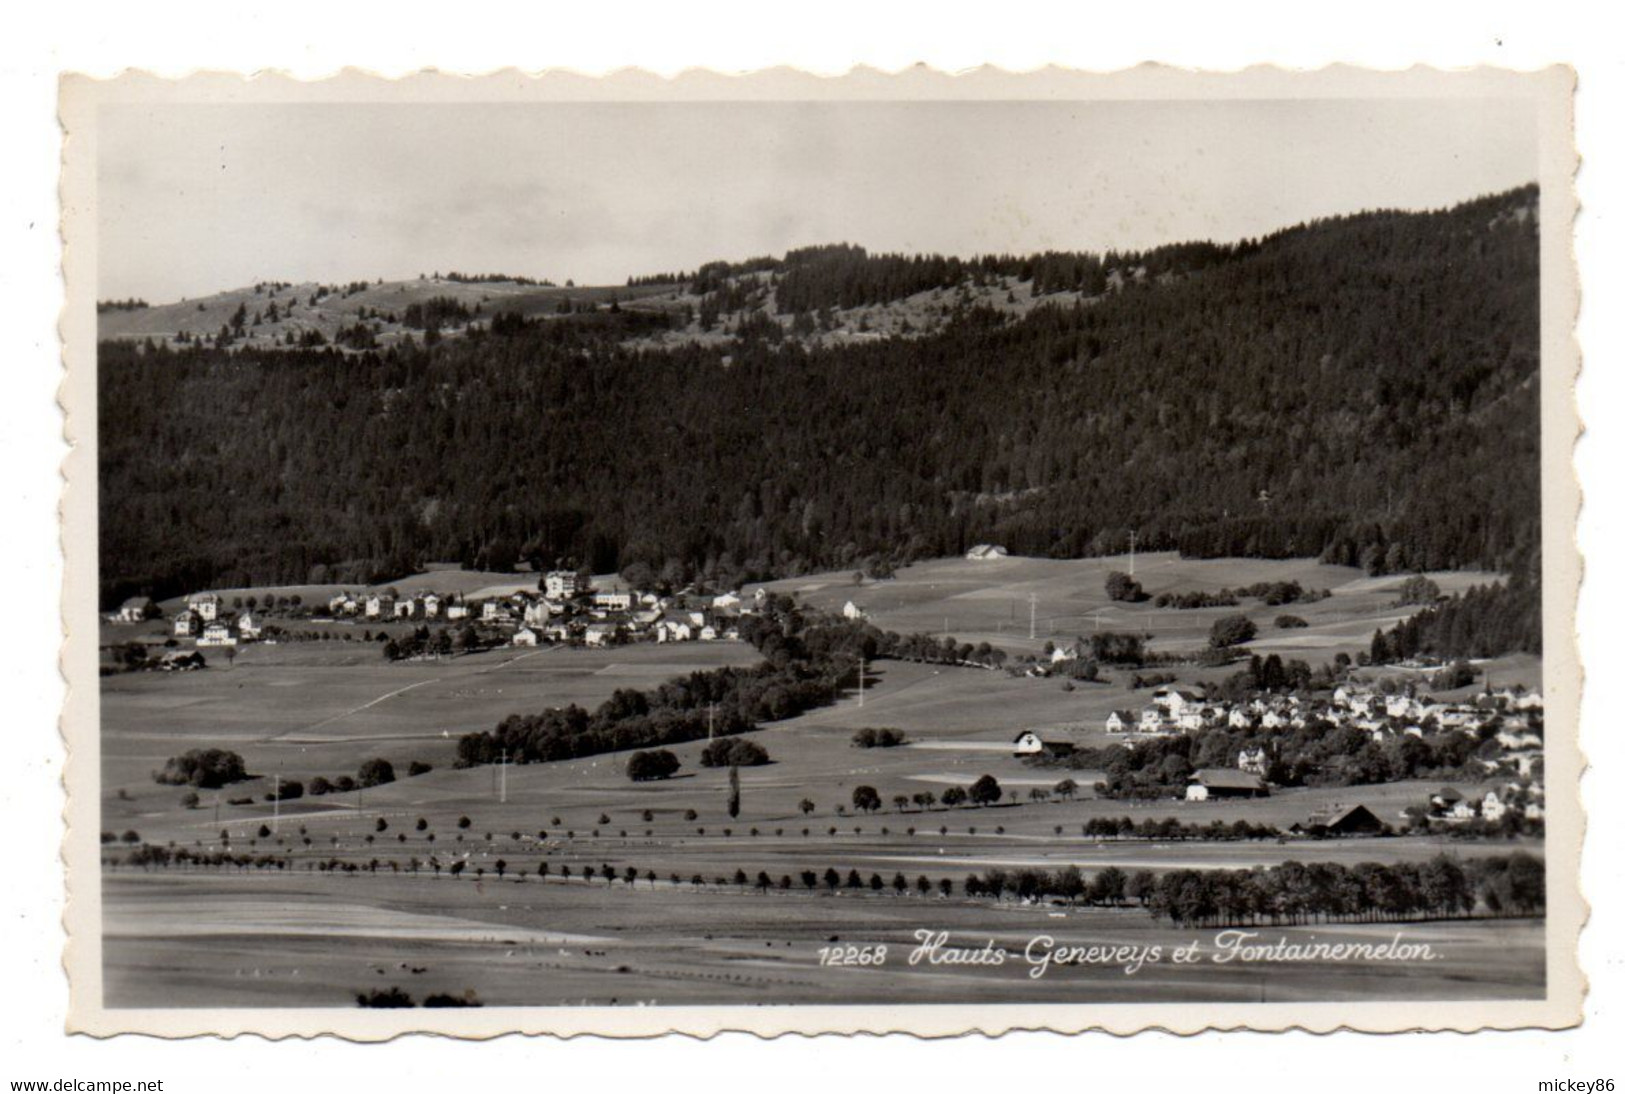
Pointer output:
x,y
1517,717
1382,717
566,609
206,619
563,609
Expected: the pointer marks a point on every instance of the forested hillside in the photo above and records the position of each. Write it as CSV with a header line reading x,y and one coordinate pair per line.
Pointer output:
x,y
1364,389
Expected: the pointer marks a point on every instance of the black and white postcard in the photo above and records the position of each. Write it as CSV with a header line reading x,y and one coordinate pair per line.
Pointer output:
x,y
927,553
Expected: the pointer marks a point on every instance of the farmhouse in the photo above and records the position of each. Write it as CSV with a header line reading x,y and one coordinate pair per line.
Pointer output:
x,y
247,627
986,552
524,636
431,606
186,624
1223,782
206,605
1175,701
600,634
852,611
537,613
136,609
457,610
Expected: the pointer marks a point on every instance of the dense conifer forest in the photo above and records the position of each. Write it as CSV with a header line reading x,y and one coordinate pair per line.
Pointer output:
x,y
1363,389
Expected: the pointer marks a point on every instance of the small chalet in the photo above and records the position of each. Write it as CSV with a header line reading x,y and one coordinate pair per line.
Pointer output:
x,y
1211,783
1029,743
186,624
852,611
1120,721
986,552
431,606
206,605
600,634
524,636
247,626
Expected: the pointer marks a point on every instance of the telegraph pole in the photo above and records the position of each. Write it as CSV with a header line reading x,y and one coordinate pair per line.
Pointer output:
x,y
1131,538
504,768
1032,615
860,680
276,802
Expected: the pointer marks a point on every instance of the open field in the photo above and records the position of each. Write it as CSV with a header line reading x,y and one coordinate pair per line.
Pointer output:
x,y
304,709
312,940
305,937
1021,603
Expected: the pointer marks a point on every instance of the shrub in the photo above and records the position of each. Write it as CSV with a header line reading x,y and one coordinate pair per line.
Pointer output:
x,y
878,738
657,763
1290,622
206,768
733,751
376,772
1231,630
414,769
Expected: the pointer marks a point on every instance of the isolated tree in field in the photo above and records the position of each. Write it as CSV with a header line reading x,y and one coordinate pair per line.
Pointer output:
x,y
946,886
809,880
832,880
423,824
954,796
807,806
456,869
1066,789
986,790
733,790
865,799
899,883
690,815
587,873
658,763
463,822
501,868
1231,630
1120,586
900,802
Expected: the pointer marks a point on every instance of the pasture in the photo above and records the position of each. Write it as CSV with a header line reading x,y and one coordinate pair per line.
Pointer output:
x,y
309,937
1019,604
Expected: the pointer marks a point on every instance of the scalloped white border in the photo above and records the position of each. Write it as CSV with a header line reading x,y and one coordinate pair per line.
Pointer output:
x,y
1551,89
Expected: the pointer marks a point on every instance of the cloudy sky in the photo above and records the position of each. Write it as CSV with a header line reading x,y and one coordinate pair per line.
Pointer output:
x,y
194,199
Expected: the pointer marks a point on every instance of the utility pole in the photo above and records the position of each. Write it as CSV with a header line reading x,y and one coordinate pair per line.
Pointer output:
x,y
1131,538
1032,615
860,681
276,802
504,777
711,724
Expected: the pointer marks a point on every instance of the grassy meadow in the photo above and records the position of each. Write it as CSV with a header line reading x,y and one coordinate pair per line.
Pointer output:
x,y
312,938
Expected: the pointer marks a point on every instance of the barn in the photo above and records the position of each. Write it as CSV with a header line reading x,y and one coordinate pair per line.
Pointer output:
x,y
1341,820
1211,783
